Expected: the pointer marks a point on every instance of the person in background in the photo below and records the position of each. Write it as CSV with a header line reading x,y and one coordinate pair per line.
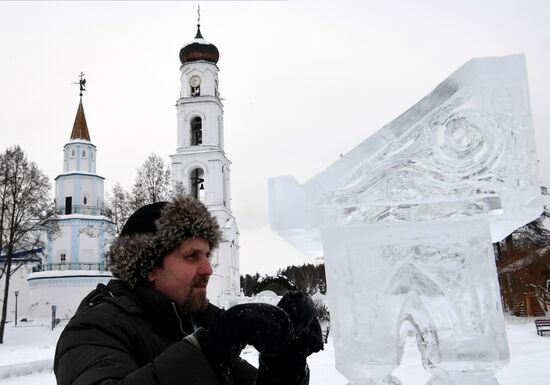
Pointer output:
x,y
153,324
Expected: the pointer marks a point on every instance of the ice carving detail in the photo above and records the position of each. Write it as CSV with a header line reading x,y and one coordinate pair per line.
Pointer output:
x,y
405,222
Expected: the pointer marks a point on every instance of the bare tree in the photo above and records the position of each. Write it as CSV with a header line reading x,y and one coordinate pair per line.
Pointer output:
x,y
118,206
177,189
152,183
26,211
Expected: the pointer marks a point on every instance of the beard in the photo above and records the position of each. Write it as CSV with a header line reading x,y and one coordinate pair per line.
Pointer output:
x,y
196,302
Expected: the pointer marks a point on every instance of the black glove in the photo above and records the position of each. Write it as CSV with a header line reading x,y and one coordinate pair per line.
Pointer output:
x,y
266,327
289,366
300,308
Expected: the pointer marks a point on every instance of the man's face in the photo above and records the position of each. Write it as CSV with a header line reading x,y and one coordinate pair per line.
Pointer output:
x,y
184,275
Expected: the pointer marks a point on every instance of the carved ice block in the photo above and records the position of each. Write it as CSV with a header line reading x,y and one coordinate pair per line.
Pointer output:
x,y
406,221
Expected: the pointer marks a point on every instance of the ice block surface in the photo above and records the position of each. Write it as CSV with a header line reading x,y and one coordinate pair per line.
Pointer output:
x,y
405,222
465,150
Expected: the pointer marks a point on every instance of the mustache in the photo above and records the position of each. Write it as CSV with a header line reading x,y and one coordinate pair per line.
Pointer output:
x,y
199,281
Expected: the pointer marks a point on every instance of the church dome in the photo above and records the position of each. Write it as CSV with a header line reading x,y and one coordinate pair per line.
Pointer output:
x,y
199,49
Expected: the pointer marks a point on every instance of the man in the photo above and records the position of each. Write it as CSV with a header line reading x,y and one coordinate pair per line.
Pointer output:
x,y
154,324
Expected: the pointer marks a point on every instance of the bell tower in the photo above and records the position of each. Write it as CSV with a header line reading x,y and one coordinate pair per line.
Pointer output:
x,y
200,164
75,253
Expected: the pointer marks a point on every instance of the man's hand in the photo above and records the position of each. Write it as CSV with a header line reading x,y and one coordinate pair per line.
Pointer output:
x,y
266,327
289,366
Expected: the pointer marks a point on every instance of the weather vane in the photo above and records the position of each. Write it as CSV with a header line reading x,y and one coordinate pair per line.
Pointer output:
x,y
81,83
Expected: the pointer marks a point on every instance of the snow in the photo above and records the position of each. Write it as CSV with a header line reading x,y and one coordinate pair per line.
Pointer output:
x,y
79,172
197,41
26,357
70,273
83,216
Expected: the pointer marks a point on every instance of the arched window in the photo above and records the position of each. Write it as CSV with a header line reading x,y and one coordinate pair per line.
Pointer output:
x,y
197,184
196,131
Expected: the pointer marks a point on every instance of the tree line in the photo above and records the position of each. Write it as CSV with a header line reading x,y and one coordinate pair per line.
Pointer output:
x,y
307,278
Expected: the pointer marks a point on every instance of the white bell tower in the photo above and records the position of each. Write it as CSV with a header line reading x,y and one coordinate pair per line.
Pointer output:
x,y
199,163
75,261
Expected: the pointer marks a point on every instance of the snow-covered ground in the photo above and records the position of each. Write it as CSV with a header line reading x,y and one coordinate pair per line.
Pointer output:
x,y
28,349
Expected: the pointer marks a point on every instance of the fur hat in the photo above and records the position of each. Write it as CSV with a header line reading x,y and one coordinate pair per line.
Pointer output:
x,y
154,230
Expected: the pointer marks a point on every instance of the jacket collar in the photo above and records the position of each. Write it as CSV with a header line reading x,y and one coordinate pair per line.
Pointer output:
x,y
157,308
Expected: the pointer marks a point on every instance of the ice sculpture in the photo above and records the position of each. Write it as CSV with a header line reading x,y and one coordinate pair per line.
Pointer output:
x,y
405,222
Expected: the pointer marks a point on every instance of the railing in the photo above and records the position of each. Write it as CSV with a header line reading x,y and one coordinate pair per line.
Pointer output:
x,y
87,210
70,266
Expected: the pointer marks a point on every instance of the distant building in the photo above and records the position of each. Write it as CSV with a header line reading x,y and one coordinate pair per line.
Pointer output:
x,y
200,163
22,264
75,255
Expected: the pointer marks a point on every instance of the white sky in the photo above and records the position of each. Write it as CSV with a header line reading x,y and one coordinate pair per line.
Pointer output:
x,y
303,82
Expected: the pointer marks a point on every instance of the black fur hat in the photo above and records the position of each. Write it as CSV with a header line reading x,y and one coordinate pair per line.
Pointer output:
x,y
154,230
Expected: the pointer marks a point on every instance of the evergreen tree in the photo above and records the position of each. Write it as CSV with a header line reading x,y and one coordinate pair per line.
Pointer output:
x,y
308,278
248,283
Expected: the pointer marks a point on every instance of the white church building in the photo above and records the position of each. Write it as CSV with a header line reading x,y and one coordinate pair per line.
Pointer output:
x,y
200,163
74,256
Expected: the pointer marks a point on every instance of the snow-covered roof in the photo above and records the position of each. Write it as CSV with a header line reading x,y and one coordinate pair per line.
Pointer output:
x,y
197,41
68,274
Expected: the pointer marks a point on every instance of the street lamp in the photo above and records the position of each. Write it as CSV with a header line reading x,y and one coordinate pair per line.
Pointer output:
x,y
16,294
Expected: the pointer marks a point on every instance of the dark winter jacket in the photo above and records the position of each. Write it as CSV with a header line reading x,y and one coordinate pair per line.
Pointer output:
x,y
120,336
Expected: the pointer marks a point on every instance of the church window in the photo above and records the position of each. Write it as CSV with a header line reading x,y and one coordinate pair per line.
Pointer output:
x,y
196,91
85,200
68,205
83,153
196,131
62,257
197,184
72,153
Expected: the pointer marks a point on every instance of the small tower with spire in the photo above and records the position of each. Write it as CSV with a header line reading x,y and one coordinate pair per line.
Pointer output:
x,y
200,163
75,261
79,190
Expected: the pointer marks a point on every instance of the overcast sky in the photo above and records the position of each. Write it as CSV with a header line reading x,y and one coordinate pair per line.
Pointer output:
x,y
302,82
